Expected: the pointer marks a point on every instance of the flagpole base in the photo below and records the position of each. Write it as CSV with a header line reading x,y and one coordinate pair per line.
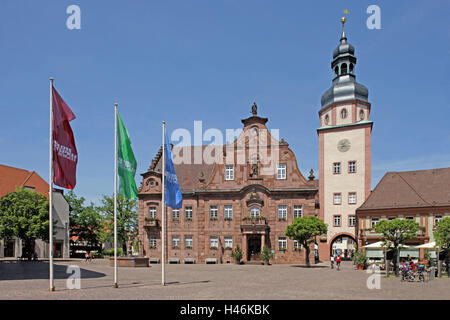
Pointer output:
x,y
116,285
51,288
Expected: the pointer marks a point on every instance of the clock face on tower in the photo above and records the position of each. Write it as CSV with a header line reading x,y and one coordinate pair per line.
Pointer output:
x,y
344,145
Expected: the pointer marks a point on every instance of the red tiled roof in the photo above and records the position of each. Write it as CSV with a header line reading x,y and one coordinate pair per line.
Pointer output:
x,y
11,178
422,188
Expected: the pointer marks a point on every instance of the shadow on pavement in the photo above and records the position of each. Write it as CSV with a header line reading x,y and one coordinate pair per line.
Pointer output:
x,y
25,270
310,267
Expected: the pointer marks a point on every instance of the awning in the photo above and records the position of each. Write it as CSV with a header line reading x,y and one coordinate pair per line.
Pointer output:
x,y
414,253
378,244
429,245
374,253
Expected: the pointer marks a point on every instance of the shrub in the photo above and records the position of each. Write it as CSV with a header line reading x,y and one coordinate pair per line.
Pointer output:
x,y
110,252
236,254
266,254
360,258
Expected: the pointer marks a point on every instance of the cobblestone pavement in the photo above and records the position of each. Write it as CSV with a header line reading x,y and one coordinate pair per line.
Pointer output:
x,y
29,280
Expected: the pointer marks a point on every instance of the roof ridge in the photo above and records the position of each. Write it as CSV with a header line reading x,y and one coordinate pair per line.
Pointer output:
x,y
412,188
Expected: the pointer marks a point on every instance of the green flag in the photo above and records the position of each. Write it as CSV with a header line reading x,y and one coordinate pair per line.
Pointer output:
x,y
126,162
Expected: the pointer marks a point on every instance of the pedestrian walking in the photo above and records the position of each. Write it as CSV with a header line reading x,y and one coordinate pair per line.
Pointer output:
x,y
338,262
332,261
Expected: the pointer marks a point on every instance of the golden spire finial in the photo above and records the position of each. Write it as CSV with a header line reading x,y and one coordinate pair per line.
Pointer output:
x,y
343,20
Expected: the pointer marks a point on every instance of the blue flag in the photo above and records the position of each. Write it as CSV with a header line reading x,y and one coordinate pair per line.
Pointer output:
x,y
173,197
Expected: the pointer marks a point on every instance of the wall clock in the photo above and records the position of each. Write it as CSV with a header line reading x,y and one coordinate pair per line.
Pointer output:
x,y
344,145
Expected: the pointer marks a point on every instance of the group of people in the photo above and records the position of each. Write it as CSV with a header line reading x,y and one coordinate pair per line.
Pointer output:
x,y
337,258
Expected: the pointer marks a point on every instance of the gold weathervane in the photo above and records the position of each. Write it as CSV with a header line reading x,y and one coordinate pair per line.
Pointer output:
x,y
343,18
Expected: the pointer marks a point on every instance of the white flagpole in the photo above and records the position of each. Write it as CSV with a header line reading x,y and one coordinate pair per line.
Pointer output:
x,y
50,192
163,214
115,196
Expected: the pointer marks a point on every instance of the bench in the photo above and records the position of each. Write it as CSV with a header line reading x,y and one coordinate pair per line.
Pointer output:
x,y
154,260
210,260
174,260
189,260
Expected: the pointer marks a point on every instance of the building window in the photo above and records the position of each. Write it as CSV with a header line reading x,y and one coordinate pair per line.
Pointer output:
x,y
375,221
344,113
254,212
337,221
188,242
29,188
297,246
176,214
152,242
188,213
229,172
282,212
175,242
152,212
437,219
352,197
409,218
228,241
391,218
282,244
213,213
298,211
343,68
337,168
351,221
327,119
352,167
362,115
228,210
337,198
214,242
281,171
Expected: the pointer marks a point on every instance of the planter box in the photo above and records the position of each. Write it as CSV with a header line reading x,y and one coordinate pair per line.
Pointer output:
x,y
130,262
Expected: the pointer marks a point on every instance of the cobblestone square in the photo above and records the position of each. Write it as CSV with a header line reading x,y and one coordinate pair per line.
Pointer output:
x,y
29,280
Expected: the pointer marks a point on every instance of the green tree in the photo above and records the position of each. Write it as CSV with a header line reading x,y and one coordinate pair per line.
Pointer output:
x,y
305,230
396,232
127,219
85,221
24,214
442,236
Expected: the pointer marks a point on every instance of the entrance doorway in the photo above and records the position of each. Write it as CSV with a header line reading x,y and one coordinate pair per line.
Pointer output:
x,y
343,245
254,248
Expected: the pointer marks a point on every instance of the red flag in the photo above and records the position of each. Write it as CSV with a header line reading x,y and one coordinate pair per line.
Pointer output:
x,y
65,156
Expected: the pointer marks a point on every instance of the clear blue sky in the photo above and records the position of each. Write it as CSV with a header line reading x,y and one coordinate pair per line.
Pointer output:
x,y
182,61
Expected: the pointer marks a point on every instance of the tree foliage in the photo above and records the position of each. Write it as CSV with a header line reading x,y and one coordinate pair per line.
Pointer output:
x,y
24,214
127,219
305,230
396,232
442,233
85,221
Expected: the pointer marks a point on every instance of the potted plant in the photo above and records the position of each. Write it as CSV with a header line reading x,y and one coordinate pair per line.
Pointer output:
x,y
237,255
360,259
266,255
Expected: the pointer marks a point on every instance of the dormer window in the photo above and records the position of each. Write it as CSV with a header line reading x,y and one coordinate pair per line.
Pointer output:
x,y
229,172
281,171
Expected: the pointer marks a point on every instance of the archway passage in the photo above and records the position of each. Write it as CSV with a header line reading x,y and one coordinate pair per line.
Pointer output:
x,y
343,245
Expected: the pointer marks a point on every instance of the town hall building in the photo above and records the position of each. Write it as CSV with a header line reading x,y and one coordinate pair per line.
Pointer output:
x,y
230,203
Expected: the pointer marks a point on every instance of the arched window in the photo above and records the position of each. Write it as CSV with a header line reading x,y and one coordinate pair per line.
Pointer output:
x,y
344,113
254,212
344,68
327,119
351,67
336,70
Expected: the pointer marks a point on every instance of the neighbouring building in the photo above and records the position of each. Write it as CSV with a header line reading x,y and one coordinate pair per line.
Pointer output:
x,y
344,152
229,203
12,178
422,196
